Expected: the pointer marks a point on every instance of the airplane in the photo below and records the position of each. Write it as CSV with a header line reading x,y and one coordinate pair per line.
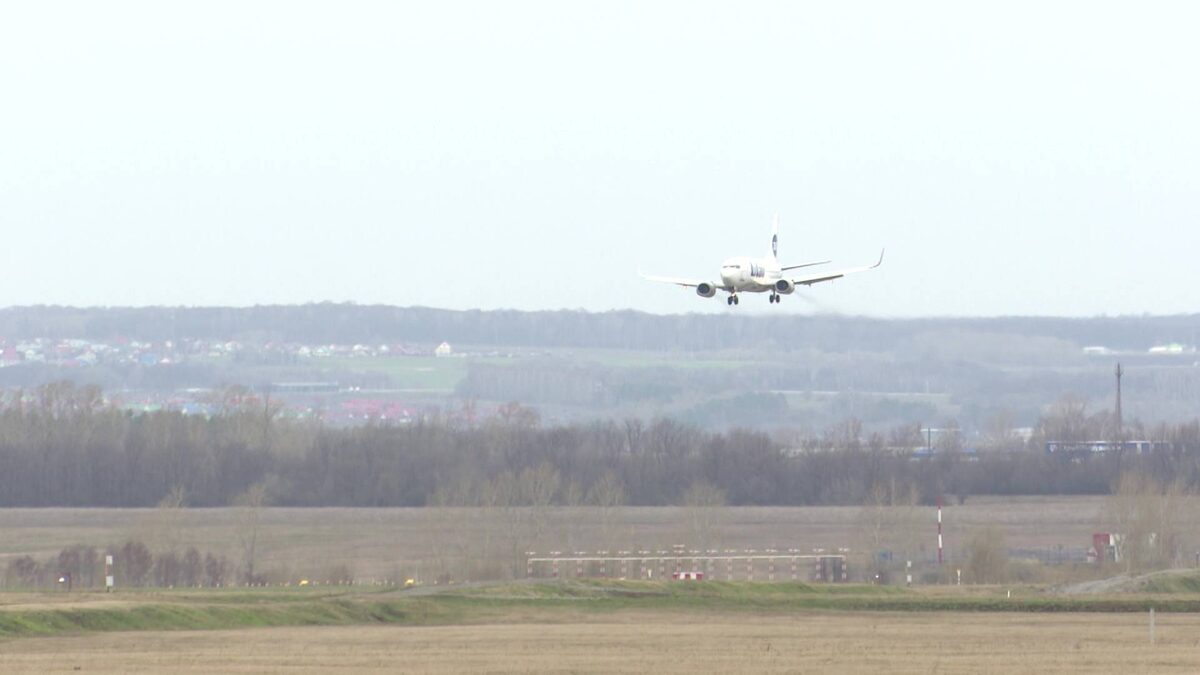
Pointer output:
x,y
761,275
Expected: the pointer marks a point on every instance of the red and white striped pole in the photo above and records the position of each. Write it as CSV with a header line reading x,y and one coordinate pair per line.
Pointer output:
x,y
939,507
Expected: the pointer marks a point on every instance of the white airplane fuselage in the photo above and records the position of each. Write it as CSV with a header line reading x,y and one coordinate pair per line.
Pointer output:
x,y
744,274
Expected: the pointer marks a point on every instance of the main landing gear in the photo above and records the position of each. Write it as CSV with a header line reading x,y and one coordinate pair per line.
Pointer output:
x,y
774,298
731,300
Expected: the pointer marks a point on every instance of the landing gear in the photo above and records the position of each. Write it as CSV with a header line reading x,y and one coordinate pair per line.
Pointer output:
x,y
774,298
731,300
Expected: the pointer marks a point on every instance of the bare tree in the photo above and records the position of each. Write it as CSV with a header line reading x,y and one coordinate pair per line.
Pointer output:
x,y
133,563
169,520
887,523
191,567
608,494
1066,420
987,557
522,500
845,435
1150,517
248,524
540,486
702,501
216,570
999,430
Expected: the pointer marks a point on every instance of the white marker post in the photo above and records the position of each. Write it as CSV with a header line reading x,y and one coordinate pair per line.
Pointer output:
x,y
941,560
108,574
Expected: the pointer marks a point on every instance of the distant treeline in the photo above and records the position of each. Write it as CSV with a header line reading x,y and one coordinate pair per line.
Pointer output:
x,y
350,323
720,370
84,566
68,449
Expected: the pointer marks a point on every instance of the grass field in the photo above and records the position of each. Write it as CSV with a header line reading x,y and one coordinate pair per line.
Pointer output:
x,y
393,543
421,373
441,375
816,643
614,358
590,626
601,627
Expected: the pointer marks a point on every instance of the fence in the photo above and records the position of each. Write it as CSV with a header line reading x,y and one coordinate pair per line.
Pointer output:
x,y
728,565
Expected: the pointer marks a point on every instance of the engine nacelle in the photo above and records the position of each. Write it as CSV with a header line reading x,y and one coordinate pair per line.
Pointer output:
x,y
706,290
784,287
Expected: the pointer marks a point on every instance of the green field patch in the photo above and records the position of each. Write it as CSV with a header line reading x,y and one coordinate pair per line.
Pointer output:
x,y
425,373
622,359
536,602
1173,583
212,616
784,597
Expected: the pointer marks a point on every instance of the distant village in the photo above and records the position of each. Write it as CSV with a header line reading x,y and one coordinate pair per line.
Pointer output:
x,y
75,353
80,353
329,401
336,384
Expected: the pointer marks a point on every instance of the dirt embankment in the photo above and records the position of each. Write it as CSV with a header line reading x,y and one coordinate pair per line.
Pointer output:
x,y
1164,581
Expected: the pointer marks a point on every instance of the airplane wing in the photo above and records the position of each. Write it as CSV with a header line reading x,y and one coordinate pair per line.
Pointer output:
x,y
830,276
686,283
807,264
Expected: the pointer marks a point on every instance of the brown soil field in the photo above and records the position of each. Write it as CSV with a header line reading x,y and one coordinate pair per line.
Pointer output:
x,y
897,644
394,543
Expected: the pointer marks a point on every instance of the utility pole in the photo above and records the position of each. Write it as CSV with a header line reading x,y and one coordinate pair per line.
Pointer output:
x,y
939,524
1120,433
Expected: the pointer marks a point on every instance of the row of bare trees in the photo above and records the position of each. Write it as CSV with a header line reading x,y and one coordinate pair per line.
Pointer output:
x,y
1155,518
69,449
134,566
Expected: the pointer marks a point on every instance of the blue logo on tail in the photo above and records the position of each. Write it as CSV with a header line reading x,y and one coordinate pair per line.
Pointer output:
x,y
775,245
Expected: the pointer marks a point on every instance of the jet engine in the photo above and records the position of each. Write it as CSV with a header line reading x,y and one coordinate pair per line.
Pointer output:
x,y
784,287
706,290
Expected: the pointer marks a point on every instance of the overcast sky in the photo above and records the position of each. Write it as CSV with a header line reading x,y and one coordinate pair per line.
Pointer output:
x,y
1039,158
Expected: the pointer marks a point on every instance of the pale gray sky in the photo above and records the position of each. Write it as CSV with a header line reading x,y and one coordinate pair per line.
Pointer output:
x,y
1015,158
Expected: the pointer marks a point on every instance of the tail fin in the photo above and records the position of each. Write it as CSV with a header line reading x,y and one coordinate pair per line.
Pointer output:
x,y
775,237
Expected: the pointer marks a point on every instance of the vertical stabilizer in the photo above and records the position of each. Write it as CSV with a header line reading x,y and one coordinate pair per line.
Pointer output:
x,y
775,237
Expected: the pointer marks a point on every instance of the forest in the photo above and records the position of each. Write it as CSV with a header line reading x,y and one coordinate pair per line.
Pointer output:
x,y
64,446
1006,337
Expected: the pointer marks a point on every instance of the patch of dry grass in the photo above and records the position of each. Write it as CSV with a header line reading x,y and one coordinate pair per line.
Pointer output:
x,y
396,543
639,642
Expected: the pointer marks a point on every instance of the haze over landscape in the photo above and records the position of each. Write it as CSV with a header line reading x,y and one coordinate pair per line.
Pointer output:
x,y
1029,159
323,322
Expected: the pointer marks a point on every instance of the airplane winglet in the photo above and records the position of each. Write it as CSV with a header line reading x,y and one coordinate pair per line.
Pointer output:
x,y
877,264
